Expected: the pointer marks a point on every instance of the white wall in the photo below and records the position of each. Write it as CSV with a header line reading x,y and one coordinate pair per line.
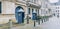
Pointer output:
x,y
8,7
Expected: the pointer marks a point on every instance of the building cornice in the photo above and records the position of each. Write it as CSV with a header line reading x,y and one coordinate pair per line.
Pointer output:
x,y
10,0
24,3
29,4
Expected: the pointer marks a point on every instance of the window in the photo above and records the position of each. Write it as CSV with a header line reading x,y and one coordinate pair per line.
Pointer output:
x,y
0,7
34,1
49,10
38,11
46,6
55,4
32,10
46,12
58,7
28,10
56,10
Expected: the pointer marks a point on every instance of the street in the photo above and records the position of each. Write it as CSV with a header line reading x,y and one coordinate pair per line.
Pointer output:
x,y
53,23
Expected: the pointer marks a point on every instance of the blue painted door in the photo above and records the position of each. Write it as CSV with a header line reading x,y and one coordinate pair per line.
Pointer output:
x,y
16,14
34,16
19,15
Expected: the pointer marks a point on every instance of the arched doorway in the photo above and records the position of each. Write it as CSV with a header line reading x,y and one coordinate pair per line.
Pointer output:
x,y
16,12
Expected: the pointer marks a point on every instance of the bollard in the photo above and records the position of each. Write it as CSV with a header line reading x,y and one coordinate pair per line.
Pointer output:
x,y
27,19
47,19
42,20
39,21
34,23
10,24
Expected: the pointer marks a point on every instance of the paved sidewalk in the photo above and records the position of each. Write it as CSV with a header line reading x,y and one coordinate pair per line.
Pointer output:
x,y
53,23
27,26
17,26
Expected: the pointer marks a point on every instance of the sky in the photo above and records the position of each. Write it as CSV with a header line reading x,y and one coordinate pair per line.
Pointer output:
x,y
53,1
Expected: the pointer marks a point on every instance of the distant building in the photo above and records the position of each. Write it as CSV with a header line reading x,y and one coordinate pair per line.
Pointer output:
x,y
45,8
55,7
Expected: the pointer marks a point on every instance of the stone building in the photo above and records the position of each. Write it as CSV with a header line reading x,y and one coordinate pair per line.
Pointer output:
x,y
45,6
8,8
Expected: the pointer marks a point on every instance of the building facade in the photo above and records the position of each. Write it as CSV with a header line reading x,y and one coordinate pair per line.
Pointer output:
x,y
55,7
7,8
45,6
55,10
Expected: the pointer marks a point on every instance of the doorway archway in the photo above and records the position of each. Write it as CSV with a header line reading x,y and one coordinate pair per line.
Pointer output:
x,y
16,12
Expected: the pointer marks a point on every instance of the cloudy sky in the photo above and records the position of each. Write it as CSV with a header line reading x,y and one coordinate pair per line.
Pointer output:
x,y
53,1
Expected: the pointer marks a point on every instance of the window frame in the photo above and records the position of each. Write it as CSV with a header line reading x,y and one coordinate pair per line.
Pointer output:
x,y
32,10
1,7
29,10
